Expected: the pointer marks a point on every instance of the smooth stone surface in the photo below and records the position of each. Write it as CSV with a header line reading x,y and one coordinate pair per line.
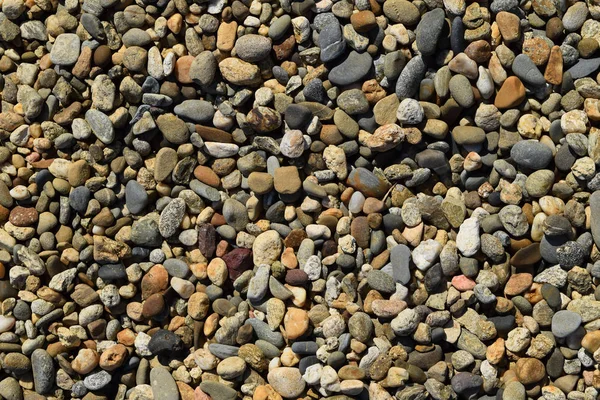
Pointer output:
x,y
531,154
163,384
527,71
352,69
584,68
565,323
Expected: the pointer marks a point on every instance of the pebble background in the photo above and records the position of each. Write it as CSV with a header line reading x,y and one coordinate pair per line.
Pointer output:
x,y
266,200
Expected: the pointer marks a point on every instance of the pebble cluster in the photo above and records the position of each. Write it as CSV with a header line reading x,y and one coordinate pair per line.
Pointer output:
x,y
275,199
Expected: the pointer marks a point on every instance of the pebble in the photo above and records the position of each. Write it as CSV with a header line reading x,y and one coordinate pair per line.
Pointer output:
x,y
195,110
400,257
352,69
511,94
97,380
401,11
584,68
575,17
252,48
43,371
163,385
136,197
466,384
531,154
218,391
65,49
595,221
565,323
410,77
101,125
527,71
468,239
286,381
468,135
381,281
331,42
429,30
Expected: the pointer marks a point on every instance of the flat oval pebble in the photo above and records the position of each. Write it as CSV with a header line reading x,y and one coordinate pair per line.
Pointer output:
x,y
195,110
531,154
286,381
565,323
527,71
252,48
352,69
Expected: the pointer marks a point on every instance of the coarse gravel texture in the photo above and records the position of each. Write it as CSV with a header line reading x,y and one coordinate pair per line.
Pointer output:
x,y
268,200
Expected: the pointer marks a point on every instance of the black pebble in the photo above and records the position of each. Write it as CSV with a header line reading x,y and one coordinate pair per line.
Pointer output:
x,y
165,342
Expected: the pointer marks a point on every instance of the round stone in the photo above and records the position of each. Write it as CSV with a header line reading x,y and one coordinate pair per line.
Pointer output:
x,y
565,323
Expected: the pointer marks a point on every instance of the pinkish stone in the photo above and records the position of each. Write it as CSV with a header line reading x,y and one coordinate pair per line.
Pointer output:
x,y
200,395
462,283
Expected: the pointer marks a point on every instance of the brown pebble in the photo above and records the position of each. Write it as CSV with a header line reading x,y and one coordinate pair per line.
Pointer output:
x,y
511,94
182,69
296,277
360,230
554,29
83,66
284,49
554,69
237,261
373,205
244,334
363,21
126,337
213,134
153,305
287,180
530,370
529,255
102,55
113,357
518,283
537,49
156,280
591,341
226,35
260,182
479,51
510,26
295,322
206,175
295,238
23,216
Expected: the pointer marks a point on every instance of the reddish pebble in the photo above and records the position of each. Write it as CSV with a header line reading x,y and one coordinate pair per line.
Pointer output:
x,y
217,220
23,216
462,283
373,205
200,395
182,69
296,277
155,281
518,283
238,261
206,175
222,248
